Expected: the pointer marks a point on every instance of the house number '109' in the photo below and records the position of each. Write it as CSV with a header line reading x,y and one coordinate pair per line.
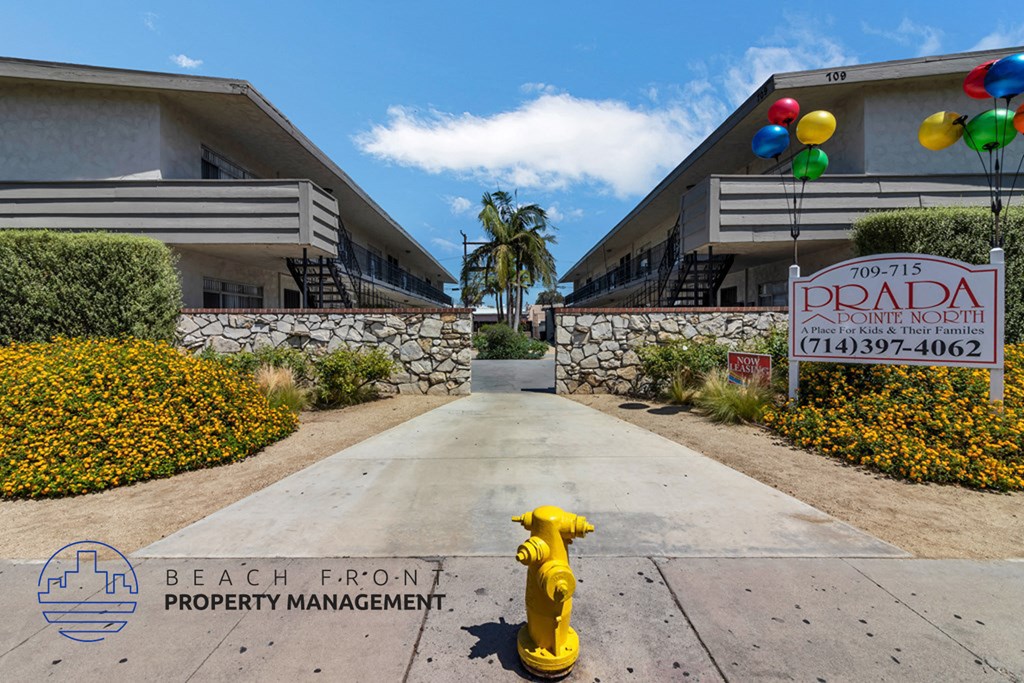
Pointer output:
x,y
835,76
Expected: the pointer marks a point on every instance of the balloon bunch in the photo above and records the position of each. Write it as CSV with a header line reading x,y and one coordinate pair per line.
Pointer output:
x,y
771,141
988,132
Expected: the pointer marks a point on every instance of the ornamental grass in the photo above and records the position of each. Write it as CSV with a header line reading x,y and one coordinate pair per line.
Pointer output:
x,y
924,424
84,415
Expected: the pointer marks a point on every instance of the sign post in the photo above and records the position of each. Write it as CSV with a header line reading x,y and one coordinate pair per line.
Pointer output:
x,y
901,309
794,364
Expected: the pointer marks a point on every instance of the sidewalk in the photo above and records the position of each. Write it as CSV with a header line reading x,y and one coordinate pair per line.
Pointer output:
x,y
695,572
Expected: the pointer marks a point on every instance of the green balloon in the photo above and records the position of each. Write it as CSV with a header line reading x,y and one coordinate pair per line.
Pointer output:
x,y
809,164
990,130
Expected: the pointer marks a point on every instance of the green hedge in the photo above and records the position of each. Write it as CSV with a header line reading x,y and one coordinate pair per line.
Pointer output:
x,y
959,233
501,342
89,284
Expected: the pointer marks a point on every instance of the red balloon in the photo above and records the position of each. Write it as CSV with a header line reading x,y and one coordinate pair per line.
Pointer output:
x,y
974,84
784,112
1018,119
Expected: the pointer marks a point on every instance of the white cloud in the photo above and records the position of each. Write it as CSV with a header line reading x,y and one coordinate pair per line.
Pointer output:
x,y
797,49
557,215
550,142
553,140
149,20
546,88
186,62
446,245
459,205
927,40
1008,37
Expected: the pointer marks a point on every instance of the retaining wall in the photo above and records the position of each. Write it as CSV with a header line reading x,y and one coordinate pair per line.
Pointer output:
x,y
596,347
433,347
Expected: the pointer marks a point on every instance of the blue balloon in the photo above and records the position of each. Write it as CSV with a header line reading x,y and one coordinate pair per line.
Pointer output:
x,y
1006,77
770,141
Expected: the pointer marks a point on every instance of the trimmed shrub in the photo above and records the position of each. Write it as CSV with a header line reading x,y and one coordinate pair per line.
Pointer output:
x,y
345,377
91,284
84,415
730,403
681,361
501,342
958,233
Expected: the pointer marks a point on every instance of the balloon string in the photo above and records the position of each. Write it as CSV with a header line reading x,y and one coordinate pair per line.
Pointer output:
x,y
785,192
1001,160
1009,196
988,175
799,211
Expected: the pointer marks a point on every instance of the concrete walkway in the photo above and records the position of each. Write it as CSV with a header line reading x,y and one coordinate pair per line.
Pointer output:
x,y
446,483
695,572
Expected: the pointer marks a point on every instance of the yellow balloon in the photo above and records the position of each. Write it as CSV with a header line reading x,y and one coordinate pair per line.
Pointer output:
x,y
938,130
816,127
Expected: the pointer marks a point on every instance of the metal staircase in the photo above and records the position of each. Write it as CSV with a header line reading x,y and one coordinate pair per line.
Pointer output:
x,y
698,279
330,282
322,282
693,280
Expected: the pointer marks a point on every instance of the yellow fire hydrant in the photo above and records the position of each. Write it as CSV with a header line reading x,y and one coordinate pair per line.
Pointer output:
x,y
548,647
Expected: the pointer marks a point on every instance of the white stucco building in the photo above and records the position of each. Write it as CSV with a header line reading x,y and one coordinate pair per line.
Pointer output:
x,y
716,230
260,217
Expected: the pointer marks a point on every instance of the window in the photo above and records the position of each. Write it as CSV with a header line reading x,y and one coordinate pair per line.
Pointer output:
x,y
645,259
220,294
216,167
772,293
729,296
292,298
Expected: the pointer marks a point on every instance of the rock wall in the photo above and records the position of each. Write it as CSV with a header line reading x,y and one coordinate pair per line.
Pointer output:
x,y
433,347
596,348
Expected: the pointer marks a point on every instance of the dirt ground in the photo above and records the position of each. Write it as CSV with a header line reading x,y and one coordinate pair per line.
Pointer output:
x,y
927,520
131,517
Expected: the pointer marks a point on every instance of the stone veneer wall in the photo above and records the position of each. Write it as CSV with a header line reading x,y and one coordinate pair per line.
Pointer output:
x,y
432,346
596,347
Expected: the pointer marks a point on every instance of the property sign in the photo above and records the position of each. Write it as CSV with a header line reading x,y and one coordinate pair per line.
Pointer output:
x,y
744,367
912,309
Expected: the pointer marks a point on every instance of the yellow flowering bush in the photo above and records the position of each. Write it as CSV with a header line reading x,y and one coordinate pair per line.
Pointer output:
x,y
918,423
83,415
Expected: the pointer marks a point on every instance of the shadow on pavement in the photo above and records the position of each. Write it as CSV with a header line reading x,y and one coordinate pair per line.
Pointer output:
x,y
498,638
539,390
669,410
633,406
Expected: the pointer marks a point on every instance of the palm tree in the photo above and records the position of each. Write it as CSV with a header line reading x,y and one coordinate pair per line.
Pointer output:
x,y
516,254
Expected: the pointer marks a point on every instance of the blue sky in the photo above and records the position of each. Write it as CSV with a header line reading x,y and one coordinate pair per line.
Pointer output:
x,y
581,106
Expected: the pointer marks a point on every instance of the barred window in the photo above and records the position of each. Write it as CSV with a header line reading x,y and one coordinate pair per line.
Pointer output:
x,y
220,294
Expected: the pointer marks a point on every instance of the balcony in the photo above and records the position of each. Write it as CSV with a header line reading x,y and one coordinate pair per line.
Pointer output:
x,y
642,267
277,215
752,213
378,271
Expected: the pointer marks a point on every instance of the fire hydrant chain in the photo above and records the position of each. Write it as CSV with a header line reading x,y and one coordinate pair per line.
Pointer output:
x,y
548,646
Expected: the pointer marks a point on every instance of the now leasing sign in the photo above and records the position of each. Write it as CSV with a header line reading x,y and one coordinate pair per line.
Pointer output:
x,y
912,309
745,367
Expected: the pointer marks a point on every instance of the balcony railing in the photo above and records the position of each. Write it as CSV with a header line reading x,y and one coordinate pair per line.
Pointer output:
x,y
641,267
375,269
